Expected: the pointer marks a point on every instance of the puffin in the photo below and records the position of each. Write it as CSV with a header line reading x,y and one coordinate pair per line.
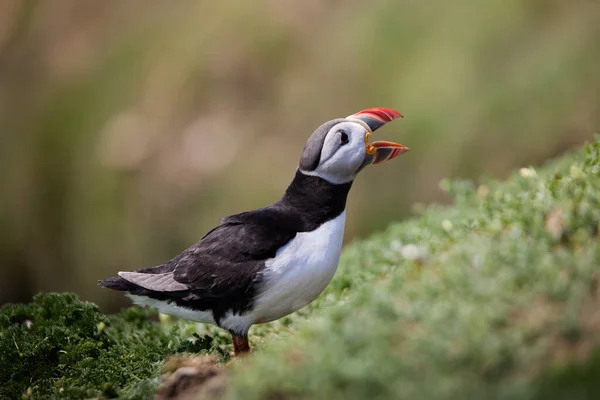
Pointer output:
x,y
261,265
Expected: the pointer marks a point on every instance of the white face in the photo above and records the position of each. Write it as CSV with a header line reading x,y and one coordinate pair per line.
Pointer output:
x,y
343,153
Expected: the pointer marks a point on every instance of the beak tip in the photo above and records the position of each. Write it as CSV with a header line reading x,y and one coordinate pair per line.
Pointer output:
x,y
376,117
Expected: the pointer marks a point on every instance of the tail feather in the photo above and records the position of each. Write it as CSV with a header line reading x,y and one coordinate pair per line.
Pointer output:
x,y
123,285
118,283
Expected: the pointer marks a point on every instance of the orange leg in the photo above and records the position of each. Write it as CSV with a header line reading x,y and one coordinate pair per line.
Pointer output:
x,y
240,345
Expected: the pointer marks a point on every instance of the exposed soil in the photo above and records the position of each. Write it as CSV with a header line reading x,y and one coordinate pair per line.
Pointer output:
x,y
192,377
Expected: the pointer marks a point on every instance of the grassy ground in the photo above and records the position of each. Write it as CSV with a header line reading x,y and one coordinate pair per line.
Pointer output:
x,y
496,296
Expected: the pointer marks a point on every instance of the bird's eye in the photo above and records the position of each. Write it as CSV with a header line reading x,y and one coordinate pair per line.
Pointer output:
x,y
344,137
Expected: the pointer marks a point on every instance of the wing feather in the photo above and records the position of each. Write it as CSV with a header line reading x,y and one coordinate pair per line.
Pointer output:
x,y
230,258
164,282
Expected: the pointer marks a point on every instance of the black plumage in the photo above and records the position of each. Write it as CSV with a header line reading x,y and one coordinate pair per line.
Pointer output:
x,y
223,271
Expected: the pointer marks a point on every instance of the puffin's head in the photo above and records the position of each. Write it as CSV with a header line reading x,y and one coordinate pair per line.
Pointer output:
x,y
340,148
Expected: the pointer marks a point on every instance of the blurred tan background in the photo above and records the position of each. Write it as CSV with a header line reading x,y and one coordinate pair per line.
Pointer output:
x,y
129,128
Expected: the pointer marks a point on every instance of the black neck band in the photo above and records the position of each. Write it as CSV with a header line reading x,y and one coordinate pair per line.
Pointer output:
x,y
315,198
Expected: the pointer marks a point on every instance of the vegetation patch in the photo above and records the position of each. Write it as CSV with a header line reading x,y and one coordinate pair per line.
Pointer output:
x,y
60,347
496,296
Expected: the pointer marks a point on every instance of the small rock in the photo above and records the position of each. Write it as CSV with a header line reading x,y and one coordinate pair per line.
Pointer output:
x,y
483,191
555,223
192,377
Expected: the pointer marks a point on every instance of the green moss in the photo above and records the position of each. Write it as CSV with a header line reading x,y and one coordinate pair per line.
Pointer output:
x,y
59,346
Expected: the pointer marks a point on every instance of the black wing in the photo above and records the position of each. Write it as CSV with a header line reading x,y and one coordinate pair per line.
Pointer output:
x,y
229,259
227,263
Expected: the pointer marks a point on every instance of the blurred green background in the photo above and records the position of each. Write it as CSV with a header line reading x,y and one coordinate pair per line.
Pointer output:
x,y
129,128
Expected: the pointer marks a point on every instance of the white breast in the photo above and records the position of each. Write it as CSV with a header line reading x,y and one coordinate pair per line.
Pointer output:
x,y
165,307
298,274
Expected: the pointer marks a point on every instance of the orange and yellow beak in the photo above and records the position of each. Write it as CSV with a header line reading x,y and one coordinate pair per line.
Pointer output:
x,y
373,119
383,150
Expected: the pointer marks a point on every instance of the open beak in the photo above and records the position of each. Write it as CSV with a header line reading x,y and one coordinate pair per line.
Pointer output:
x,y
383,151
372,119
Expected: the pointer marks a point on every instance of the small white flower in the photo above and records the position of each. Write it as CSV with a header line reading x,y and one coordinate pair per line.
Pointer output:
x,y
414,252
447,225
575,171
396,245
527,173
